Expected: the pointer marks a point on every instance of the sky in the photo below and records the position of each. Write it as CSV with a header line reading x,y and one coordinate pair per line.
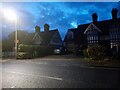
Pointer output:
x,y
59,15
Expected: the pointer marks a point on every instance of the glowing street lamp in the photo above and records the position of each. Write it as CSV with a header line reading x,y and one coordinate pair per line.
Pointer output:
x,y
11,16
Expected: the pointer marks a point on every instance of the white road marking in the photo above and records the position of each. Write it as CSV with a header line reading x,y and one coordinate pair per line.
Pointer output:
x,y
94,67
41,63
44,63
13,87
84,66
52,78
108,68
49,77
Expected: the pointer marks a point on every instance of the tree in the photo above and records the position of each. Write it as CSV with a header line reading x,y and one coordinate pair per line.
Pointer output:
x,y
21,35
9,44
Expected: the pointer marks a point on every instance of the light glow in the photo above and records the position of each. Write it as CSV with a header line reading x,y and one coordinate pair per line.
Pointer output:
x,y
9,14
74,24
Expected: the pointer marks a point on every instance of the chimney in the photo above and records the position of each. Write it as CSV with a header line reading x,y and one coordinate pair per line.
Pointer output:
x,y
94,17
46,28
114,13
37,29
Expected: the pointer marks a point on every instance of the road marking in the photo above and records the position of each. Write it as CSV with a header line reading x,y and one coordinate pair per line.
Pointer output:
x,y
94,67
41,63
108,68
13,87
52,78
30,61
49,77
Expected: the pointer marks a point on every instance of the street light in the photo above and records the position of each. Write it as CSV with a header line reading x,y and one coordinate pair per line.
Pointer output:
x,y
11,15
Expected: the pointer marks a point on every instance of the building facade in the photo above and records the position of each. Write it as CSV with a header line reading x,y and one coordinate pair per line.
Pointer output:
x,y
106,33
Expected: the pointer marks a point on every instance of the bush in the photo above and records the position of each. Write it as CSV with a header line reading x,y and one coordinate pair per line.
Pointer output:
x,y
26,48
24,55
96,52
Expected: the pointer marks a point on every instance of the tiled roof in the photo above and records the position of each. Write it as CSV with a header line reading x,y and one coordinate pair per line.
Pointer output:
x,y
103,26
46,36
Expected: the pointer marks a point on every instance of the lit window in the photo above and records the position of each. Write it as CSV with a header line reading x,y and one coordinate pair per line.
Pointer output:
x,y
89,38
92,37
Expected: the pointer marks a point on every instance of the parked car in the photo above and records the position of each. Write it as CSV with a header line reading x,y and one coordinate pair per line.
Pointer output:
x,y
59,50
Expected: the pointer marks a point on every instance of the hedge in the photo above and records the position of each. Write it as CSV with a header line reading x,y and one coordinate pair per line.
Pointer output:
x,y
36,50
96,52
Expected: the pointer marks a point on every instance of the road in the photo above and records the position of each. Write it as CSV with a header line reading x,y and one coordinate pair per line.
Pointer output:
x,y
57,74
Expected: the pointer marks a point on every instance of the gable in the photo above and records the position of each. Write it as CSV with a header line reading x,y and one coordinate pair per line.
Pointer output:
x,y
70,35
37,39
92,27
56,39
27,39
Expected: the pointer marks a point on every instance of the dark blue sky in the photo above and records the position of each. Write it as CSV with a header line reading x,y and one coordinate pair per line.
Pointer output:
x,y
59,15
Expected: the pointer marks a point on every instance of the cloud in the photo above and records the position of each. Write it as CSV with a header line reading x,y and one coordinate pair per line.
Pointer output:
x,y
60,15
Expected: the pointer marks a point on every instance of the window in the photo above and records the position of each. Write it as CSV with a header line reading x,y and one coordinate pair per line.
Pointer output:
x,y
92,37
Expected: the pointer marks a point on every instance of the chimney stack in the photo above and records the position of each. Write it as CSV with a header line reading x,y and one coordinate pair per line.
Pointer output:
x,y
46,28
37,29
94,17
114,13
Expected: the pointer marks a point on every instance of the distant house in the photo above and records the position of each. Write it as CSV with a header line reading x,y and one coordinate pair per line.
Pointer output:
x,y
44,38
105,33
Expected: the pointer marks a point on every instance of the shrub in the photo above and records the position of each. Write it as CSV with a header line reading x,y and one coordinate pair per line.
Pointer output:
x,y
96,52
36,50
24,55
26,48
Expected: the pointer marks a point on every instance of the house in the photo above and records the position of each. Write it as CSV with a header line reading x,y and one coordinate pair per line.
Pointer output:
x,y
44,38
75,38
41,43
106,33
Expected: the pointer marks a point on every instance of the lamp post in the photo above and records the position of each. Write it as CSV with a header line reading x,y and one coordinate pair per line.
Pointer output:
x,y
16,40
11,16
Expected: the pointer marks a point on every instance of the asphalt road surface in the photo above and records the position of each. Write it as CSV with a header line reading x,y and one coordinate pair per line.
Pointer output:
x,y
57,74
